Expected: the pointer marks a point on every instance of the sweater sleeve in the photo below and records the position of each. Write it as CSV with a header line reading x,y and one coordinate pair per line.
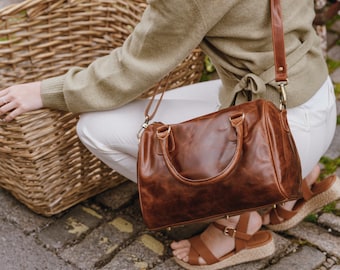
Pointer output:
x,y
168,31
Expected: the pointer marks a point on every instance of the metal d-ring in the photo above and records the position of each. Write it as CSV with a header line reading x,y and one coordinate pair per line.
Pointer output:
x,y
283,94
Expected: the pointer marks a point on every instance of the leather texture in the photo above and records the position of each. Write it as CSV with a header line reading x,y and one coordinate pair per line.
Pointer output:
x,y
238,159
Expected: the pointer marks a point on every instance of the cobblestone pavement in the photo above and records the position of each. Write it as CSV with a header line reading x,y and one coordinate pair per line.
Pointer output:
x,y
107,231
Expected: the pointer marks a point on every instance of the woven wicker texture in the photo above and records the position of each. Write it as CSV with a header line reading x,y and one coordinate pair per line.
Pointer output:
x,y
42,162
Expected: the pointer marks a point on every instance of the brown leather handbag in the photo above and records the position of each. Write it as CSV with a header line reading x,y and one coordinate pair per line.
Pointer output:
x,y
237,159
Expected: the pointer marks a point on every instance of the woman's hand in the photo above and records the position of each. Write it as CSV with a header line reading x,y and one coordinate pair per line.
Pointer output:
x,y
19,99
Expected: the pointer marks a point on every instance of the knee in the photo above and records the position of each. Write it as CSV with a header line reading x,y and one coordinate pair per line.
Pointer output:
x,y
85,132
81,126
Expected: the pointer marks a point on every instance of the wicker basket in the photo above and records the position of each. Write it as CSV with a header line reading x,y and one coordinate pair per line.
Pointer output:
x,y
42,162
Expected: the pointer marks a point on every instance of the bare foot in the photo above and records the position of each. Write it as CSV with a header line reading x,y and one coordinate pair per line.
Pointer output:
x,y
219,244
310,179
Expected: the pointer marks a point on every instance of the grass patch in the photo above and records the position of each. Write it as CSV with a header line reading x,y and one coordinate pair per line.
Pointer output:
x,y
330,165
330,22
337,89
332,65
329,208
313,218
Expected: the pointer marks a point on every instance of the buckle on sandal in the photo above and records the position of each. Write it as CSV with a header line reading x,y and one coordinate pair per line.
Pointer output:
x,y
229,232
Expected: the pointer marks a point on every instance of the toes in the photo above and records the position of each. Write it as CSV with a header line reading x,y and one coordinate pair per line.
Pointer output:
x,y
180,244
181,250
181,254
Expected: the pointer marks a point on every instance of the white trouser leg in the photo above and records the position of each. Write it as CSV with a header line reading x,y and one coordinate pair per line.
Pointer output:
x,y
111,135
313,126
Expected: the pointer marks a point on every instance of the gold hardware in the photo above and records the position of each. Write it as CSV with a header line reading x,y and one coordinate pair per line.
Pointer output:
x,y
144,126
169,229
227,230
283,94
281,69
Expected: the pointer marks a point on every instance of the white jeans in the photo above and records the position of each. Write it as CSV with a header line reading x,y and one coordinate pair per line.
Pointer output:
x,y
111,135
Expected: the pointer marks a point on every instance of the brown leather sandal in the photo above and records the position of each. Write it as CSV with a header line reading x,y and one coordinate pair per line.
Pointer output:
x,y
319,195
247,248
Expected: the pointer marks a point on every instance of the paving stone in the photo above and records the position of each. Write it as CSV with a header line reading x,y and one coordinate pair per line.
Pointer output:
x,y
119,196
144,253
335,76
318,237
337,206
336,267
70,228
20,252
334,53
169,264
15,212
335,27
101,243
312,258
334,149
332,38
331,221
329,263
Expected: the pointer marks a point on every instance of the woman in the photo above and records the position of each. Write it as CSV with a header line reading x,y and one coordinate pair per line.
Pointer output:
x,y
236,34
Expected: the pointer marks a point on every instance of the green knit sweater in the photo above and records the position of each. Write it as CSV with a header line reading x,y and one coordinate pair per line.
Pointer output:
x,y
236,34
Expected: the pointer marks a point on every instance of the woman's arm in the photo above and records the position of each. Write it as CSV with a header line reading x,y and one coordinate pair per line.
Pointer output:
x,y
169,30
19,99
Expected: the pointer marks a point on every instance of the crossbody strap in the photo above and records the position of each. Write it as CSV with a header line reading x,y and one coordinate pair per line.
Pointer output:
x,y
278,42
279,63
279,50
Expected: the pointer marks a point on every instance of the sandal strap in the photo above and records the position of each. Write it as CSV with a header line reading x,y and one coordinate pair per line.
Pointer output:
x,y
239,233
307,193
242,226
199,249
317,188
232,232
280,212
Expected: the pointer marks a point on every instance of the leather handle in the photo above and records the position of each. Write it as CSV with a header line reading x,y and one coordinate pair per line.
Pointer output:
x,y
237,123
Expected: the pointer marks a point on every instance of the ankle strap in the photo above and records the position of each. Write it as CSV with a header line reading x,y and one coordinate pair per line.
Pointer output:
x,y
234,233
240,232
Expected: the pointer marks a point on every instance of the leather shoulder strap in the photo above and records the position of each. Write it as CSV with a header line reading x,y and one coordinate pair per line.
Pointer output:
x,y
278,42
